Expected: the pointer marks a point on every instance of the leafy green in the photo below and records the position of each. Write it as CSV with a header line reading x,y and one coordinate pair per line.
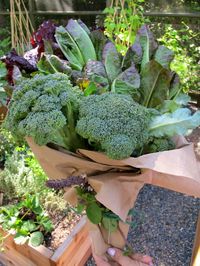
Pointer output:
x,y
164,56
110,224
82,40
36,239
112,61
176,123
50,64
155,83
69,48
148,44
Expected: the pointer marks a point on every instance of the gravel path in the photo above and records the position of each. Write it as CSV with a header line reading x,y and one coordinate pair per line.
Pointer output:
x,y
165,226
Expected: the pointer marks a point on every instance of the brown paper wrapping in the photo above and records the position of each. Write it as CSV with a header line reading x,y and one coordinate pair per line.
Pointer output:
x,y
117,182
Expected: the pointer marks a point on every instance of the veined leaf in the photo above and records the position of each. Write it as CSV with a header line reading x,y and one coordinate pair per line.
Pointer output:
x,y
133,55
50,64
148,44
155,83
164,56
128,82
112,61
110,224
82,24
82,39
176,123
95,67
69,48
36,238
99,40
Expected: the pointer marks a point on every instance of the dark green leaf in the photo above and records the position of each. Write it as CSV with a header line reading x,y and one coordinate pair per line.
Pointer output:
x,y
99,40
36,239
94,213
175,87
155,82
112,61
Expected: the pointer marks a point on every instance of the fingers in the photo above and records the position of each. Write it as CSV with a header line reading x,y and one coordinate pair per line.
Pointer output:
x,y
118,256
100,261
143,258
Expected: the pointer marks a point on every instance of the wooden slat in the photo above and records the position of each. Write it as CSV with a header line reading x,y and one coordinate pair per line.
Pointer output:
x,y
39,255
77,246
196,248
10,257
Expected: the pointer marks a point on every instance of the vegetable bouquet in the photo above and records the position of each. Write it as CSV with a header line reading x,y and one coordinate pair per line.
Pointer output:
x,y
102,124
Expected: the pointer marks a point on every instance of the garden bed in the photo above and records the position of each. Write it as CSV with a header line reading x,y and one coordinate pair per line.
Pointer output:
x,y
77,243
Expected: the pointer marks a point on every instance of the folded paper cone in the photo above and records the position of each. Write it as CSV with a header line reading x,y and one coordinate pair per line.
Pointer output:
x,y
117,182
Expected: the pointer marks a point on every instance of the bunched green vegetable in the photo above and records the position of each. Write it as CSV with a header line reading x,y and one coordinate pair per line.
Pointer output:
x,y
46,108
114,123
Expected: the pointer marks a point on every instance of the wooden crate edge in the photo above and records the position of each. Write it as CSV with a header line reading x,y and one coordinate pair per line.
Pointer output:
x,y
195,261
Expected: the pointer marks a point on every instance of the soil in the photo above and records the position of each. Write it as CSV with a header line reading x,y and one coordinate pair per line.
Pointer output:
x,y
63,224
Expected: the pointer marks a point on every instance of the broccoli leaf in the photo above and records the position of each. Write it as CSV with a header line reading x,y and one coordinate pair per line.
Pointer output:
x,y
176,123
155,83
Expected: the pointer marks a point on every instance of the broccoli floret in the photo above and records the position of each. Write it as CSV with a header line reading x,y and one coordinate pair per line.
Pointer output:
x,y
113,122
46,108
159,144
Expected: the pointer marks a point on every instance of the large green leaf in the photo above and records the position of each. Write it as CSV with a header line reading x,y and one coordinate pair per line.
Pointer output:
x,y
69,48
164,56
176,123
82,39
155,82
148,44
128,82
50,64
94,213
112,61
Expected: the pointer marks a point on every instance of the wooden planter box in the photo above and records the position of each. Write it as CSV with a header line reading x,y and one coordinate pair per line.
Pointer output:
x,y
74,251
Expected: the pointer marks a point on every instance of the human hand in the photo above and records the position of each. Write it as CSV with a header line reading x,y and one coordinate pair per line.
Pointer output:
x,y
117,256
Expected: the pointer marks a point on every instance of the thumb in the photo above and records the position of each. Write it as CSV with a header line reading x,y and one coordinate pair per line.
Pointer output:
x,y
118,256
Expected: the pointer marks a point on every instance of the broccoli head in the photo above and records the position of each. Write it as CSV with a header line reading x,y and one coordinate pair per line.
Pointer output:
x,y
46,109
114,123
